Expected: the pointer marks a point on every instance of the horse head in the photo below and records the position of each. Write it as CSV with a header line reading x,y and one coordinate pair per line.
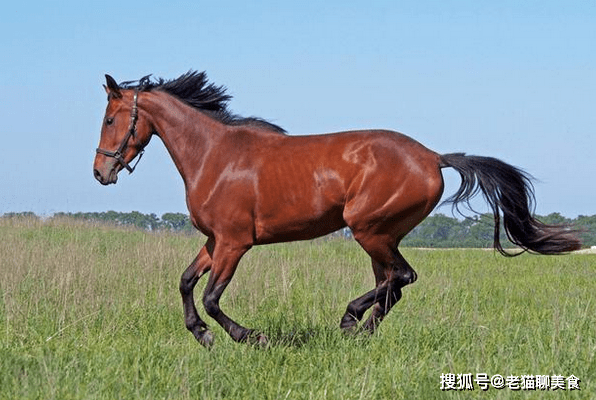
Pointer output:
x,y
124,134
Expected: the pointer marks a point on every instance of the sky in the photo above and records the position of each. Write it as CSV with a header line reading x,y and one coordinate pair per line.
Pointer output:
x,y
511,79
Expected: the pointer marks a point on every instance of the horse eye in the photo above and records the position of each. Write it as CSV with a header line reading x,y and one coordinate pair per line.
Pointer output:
x,y
109,121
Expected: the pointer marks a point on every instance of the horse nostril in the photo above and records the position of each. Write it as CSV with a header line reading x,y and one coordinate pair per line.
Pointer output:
x,y
97,175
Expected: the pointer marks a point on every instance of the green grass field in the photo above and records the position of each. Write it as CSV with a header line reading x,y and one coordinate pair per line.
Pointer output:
x,y
93,312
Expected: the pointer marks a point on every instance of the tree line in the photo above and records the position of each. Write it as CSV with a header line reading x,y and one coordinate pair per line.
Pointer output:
x,y
441,231
177,222
436,231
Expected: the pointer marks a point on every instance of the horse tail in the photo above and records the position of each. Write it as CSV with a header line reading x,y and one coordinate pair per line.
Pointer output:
x,y
509,192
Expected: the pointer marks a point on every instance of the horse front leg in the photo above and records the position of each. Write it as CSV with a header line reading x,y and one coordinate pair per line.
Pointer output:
x,y
201,264
225,261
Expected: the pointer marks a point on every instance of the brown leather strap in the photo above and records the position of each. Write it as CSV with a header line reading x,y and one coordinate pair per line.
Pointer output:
x,y
132,129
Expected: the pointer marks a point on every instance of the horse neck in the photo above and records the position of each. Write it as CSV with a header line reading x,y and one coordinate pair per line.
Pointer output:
x,y
185,132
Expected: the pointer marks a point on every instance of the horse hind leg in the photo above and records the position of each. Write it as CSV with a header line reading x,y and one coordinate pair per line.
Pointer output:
x,y
400,275
356,309
392,272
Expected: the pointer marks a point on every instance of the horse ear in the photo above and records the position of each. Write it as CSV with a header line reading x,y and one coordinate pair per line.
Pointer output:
x,y
112,87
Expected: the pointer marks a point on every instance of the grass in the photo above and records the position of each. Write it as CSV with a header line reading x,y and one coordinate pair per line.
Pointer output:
x,y
93,312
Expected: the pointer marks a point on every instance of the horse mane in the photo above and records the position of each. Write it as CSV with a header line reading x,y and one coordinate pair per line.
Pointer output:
x,y
194,89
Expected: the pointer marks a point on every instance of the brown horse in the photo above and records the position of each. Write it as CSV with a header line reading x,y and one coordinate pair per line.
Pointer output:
x,y
248,183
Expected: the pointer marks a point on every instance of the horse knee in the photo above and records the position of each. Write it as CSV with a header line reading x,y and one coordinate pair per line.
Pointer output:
x,y
211,304
189,279
187,284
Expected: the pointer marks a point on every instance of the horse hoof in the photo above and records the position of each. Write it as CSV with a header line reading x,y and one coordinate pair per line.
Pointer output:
x,y
206,338
257,339
262,340
349,324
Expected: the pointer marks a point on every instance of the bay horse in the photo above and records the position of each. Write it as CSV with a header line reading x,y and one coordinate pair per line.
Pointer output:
x,y
249,183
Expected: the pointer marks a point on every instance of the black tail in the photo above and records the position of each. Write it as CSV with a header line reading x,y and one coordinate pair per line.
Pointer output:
x,y
508,190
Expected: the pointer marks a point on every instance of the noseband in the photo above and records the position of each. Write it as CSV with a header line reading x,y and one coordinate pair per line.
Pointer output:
x,y
132,130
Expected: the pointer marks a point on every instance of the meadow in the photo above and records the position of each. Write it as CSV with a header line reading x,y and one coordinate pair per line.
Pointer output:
x,y
93,312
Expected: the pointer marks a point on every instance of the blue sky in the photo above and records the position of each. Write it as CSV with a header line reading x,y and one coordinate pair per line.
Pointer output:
x,y
510,79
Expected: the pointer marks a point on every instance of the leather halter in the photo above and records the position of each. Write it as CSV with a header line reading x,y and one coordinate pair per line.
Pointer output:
x,y
132,129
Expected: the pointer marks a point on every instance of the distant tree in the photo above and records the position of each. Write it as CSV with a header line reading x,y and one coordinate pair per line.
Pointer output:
x,y
435,231
587,225
110,216
554,219
176,222
144,221
24,214
482,231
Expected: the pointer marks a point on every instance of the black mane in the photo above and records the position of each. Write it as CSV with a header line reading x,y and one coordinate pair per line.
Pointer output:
x,y
194,89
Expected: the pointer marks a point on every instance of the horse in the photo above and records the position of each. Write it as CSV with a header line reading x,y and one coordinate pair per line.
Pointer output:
x,y
249,183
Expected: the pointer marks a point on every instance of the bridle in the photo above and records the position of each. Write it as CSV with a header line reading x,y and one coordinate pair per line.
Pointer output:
x,y
132,130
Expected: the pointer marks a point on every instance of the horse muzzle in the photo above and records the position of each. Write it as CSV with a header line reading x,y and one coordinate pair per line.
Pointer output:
x,y
106,176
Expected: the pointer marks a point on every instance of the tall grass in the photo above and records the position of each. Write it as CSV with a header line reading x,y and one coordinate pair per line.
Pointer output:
x,y
94,312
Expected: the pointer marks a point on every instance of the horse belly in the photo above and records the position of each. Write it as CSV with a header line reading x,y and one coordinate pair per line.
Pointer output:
x,y
288,230
308,207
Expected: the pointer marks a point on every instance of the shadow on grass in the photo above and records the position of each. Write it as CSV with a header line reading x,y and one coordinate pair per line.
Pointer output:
x,y
320,336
